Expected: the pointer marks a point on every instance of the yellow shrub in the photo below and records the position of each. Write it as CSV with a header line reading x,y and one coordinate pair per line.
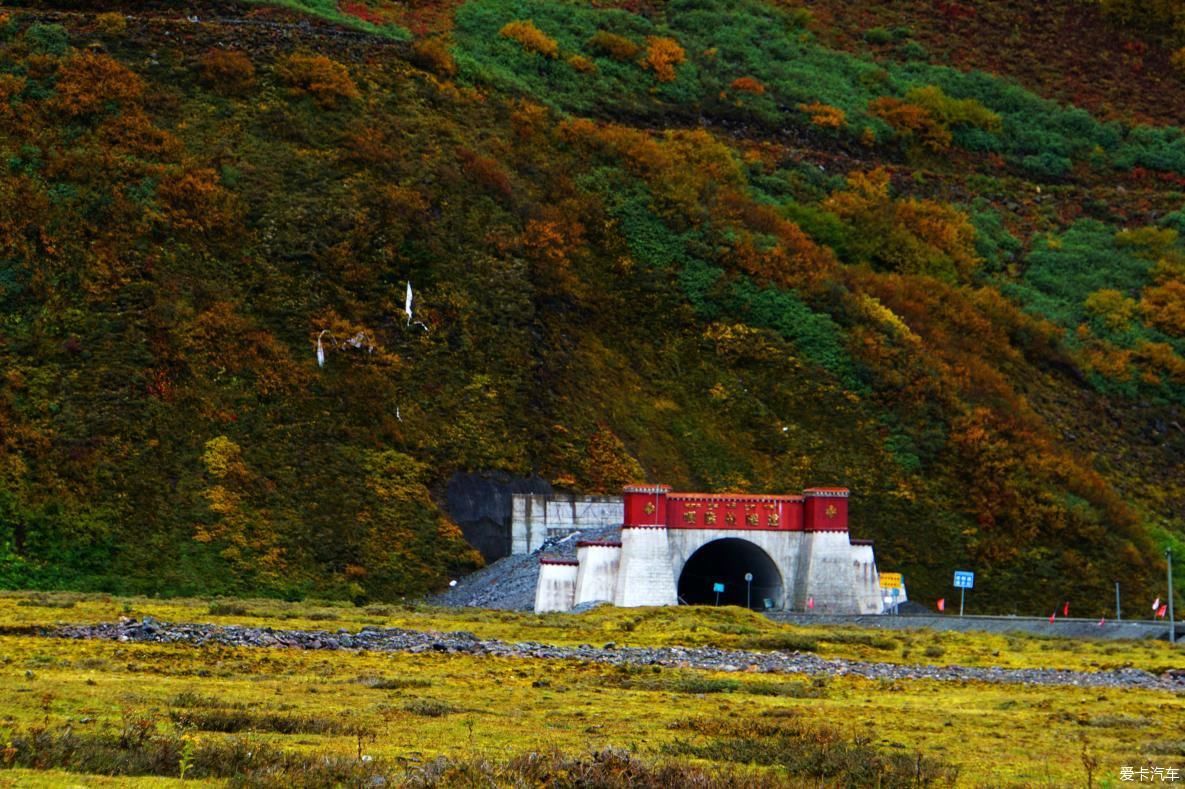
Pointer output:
x,y
612,45
1178,60
532,38
1115,309
582,64
111,23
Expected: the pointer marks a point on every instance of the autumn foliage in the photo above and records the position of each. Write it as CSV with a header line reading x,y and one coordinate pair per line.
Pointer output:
x,y
532,38
322,78
663,55
90,82
227,70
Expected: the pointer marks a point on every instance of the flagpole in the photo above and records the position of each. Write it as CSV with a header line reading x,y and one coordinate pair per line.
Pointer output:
x,y
1118,616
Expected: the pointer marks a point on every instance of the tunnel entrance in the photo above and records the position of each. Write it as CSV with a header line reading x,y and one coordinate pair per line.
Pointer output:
x,y
726,561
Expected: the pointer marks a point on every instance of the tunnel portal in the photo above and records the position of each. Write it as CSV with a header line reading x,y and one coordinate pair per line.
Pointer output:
x,y
726,561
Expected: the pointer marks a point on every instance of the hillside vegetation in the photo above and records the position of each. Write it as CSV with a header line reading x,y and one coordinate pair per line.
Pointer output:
x,y
724,245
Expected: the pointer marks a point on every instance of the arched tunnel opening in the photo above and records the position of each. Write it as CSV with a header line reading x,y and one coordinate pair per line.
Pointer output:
x,y
726,562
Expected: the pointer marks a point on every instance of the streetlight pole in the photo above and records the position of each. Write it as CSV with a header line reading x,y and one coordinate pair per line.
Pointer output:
x,y
1118,615
1168,554
749,590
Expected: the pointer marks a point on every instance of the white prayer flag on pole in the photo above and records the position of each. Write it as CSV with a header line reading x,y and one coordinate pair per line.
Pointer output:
x,y
407,303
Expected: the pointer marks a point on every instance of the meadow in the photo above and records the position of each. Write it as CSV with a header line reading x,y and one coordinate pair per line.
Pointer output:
x,y
73,711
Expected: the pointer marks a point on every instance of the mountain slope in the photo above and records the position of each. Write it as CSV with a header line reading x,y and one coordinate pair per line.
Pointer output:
x,y
684,241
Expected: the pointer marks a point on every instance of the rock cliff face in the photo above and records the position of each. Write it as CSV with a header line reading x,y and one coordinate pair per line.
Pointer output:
x,y
480,503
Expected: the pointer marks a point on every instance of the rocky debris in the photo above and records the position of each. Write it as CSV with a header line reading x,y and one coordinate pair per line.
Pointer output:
x,y
150,630
509,583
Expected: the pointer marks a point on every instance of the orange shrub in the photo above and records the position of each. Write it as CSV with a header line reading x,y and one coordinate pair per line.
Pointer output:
x,y
662,56
912,122
134,131
326,80
227,70
486,171
432,54
824,115
1163,359
748,85
10,85
528,119
612,45
532,38
1163,306
89,81
194,200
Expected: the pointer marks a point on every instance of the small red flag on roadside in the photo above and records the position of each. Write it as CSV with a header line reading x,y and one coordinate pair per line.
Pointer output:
x,y
810,602
1164,609
1052,617
1102,620
942,604
1066,609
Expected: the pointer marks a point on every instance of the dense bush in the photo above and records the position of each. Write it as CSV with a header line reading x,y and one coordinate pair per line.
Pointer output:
x,y
322,78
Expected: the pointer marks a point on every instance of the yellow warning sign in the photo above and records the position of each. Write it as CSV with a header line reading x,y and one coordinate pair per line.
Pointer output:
x,y
890,580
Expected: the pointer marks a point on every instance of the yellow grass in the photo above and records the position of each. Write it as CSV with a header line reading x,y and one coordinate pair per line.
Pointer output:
x,y
998,735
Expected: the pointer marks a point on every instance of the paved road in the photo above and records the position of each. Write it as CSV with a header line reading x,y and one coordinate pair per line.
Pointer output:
x,y
1063,627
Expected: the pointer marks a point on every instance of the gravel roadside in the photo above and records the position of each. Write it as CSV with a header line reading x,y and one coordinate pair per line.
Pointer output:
x,y
150,630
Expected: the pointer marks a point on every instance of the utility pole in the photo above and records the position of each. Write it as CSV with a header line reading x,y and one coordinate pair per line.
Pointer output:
x,y
1168,554
1118,615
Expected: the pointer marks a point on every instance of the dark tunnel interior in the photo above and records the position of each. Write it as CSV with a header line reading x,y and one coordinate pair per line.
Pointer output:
x,y
726,562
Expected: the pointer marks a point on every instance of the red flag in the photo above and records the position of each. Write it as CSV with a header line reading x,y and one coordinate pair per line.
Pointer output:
x,y
942,604
1052,617
1164,609
1066,609
1102,620
810,602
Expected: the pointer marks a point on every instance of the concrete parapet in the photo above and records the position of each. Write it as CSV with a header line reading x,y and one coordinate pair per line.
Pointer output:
x,y
556,590
599,564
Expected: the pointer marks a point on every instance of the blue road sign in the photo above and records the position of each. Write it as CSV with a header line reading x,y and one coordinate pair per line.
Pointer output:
x,y
964,579
717,588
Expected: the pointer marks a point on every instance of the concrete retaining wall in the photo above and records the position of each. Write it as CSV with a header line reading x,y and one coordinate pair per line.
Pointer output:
x,y
645,576
535,518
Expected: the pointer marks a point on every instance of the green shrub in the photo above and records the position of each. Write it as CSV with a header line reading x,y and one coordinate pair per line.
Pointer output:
x,y
878,35
47,39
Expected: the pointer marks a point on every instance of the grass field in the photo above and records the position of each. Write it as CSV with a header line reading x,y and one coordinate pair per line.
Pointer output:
x,y
71,711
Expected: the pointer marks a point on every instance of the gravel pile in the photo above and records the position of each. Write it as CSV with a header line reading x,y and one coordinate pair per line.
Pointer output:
x,y
509,583
150,630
